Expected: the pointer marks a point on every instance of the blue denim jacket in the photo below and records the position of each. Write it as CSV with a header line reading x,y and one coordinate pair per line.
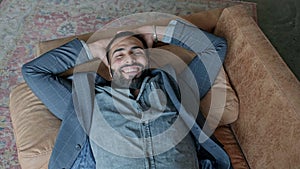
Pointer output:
x,y
139,131
42,75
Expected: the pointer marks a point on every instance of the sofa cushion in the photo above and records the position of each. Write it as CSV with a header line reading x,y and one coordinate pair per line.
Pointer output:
x,y
213,105
226,136
35,128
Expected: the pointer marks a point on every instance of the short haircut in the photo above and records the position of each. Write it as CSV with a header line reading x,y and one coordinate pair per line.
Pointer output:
x,y
124,34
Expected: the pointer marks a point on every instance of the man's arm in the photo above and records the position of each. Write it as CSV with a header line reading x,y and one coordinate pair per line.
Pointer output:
x,y
42,76
210,51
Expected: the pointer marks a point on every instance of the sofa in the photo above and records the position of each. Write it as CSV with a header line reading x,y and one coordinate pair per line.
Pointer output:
x,y
260,118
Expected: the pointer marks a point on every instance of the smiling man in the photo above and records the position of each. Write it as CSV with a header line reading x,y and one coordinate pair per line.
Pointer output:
x,y
138,119
127,57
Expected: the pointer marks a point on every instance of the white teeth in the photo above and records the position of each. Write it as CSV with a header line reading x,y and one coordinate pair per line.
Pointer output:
x,y
129,70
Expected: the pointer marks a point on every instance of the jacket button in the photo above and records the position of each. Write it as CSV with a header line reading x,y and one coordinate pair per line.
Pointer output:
x,y
78,147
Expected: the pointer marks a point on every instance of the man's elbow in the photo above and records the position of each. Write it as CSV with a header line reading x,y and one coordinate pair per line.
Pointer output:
x,y
27,71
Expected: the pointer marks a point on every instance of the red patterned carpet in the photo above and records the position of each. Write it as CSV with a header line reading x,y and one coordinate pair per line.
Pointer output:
x,y
24,23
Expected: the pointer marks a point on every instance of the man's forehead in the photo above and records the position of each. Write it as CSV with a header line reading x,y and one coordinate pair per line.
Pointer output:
x,y
126,41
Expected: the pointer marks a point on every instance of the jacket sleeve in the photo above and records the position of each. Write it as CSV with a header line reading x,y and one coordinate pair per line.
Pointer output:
x,y
42,76
210,51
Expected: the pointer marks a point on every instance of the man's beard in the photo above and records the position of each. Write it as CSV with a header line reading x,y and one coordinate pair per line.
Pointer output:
x,y
133,82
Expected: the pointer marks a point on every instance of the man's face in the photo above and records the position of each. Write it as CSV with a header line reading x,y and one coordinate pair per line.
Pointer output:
x,y
127,60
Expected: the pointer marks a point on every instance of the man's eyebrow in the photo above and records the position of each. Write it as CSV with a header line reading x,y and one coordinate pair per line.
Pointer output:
x,y
121,49
117,50
136,47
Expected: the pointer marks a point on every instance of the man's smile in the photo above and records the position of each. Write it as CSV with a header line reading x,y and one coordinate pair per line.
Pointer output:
x,y
131,70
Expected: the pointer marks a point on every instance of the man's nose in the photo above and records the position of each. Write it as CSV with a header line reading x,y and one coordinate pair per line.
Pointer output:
x,y
130,58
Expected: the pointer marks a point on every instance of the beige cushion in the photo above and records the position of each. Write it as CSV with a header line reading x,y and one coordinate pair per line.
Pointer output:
x,y
35,128
220,111
213,105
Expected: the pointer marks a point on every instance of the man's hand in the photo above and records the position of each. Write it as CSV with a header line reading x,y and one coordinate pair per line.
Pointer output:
x,y
148,32
98,49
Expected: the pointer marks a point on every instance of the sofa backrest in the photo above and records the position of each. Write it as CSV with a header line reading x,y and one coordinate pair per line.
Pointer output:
x,y
268,127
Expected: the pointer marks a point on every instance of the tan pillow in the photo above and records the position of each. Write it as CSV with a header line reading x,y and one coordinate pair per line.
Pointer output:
x,y
35,128
221,102
213,102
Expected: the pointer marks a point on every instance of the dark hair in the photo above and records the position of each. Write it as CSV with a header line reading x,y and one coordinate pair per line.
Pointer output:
x,y
124,34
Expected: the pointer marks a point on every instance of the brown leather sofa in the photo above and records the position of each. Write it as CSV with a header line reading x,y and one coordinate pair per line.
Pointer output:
x,y
260,125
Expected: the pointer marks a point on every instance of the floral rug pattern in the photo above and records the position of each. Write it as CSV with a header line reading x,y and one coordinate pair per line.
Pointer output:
x,y
24,23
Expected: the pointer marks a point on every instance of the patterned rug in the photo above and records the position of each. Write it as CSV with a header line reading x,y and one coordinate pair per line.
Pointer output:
x,y
24,23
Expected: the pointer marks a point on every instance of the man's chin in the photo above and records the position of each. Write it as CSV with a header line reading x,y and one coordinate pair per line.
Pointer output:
x,y
121,82
126,83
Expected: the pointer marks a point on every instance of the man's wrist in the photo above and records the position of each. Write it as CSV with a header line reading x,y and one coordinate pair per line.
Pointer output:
x,y
169,31
160,32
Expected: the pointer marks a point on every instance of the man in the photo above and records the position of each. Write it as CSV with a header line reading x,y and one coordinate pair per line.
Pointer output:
x,y
115,124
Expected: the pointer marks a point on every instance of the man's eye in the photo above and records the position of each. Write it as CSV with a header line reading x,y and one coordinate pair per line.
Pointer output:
x,y
138,52
118,56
